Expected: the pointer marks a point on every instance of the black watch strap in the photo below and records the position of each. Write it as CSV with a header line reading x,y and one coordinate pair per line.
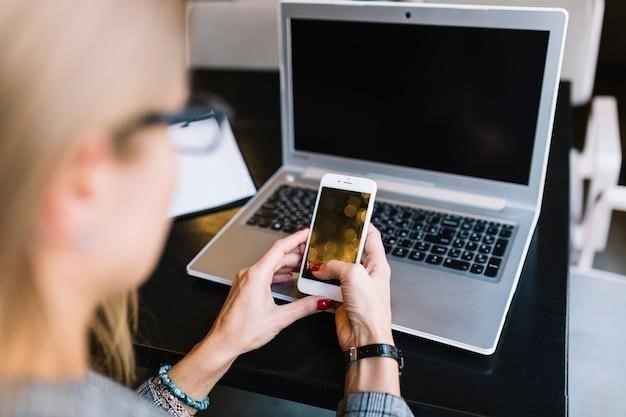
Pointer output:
x,y
376,350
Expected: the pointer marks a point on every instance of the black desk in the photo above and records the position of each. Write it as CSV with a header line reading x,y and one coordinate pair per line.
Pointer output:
x,y
525,377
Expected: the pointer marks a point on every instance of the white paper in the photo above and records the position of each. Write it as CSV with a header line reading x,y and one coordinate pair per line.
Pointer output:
x,y
211,178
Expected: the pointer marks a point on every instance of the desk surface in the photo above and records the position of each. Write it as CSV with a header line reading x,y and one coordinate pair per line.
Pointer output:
x,y
525,377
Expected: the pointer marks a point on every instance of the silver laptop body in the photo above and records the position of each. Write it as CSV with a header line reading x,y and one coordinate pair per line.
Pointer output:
x,y
450,306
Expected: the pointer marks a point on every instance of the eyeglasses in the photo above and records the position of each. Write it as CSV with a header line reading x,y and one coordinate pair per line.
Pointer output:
x,y
191,143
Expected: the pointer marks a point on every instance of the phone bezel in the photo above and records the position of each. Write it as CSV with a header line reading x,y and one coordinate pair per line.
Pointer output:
x,y
342,182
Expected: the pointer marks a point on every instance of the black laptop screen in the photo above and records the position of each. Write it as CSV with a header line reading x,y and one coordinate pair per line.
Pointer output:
x,y
458,100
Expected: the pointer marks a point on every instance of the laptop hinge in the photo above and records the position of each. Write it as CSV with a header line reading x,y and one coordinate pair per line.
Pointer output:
x,y
427,191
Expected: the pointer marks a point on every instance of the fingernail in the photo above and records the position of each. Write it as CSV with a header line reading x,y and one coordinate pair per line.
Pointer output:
x,y
315,267
324,304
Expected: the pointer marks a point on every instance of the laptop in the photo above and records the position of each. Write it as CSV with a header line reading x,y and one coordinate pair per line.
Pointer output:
x,y
449,108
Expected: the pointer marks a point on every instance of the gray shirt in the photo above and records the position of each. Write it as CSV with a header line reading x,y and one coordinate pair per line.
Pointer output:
x,y
97,396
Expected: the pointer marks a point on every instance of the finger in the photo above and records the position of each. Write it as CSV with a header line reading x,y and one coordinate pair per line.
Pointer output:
x,y
273,259
374,246
291,261
286,270
283,277
299,309
338,270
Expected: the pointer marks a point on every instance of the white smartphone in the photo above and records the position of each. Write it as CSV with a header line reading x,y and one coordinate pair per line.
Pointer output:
x,y
342,213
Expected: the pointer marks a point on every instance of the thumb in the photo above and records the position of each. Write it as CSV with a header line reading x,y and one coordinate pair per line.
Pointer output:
x,y
337,270
289,313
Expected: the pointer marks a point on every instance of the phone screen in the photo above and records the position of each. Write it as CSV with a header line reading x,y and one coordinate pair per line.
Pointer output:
x,y
337,228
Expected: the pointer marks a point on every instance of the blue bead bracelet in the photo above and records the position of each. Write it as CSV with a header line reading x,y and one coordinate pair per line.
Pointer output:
x,y
178,393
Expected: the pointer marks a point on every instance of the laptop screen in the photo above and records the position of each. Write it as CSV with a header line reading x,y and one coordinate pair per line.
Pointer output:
x,y
458,100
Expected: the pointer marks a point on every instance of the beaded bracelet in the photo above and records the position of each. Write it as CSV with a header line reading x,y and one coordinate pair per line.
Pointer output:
x,y
174,390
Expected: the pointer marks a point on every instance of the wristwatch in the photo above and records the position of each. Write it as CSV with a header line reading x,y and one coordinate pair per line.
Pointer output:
x,y
375,350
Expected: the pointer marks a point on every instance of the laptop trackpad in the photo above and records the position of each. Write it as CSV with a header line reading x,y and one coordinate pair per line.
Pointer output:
x,y
240,248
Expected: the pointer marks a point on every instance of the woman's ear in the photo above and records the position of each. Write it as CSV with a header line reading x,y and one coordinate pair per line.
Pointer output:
x,y
77,191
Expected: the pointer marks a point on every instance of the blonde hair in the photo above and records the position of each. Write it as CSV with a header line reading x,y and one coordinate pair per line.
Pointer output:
x,y
67,66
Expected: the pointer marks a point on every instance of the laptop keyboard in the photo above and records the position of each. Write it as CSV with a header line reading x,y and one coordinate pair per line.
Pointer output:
x,y
465,244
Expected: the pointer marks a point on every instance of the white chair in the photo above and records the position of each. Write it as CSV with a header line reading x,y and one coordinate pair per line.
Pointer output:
x,y
599,163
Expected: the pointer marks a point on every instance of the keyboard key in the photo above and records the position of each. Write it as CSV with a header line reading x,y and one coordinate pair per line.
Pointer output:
x,y
481,259
290,228
467,256
417,235
269,205
404,234
434,259
432,220
447,232
439,250
467,226
506,233
458,243
479,228
400,252
489,239
471,246
270,214
500,247
403,225
496,262
454,253
450,223
463,235
456,264
417,256
491,271
253,220
277,226
486,249
477,269
432,230
405,243
493,266
437,240
390,240
476,237
492,230
418,218
422,246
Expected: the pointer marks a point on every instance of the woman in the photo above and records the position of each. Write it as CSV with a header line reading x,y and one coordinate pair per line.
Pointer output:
x,y
86,183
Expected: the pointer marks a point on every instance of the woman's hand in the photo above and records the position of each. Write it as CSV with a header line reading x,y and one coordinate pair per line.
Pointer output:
x,y
365,315
249,318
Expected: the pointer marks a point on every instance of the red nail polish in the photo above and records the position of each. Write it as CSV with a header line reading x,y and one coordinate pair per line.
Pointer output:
x,y
315,267
324,304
